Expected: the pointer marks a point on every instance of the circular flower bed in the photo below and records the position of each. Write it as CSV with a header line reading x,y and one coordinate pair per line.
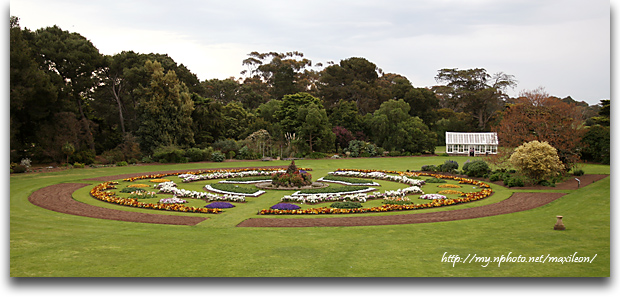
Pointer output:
x,y
410,178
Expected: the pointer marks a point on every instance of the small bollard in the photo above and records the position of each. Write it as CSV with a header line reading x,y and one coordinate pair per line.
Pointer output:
x,y
559,225
578,182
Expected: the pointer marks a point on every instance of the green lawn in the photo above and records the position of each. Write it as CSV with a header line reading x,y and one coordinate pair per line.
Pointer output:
x,y
48,244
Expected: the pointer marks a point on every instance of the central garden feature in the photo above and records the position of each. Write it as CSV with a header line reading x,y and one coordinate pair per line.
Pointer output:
x,y
353,191
293,179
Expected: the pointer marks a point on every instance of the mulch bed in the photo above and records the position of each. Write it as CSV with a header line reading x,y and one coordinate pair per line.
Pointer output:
x,y
58,198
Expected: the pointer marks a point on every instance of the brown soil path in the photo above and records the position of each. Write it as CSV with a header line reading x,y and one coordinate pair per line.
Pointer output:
x,y
58,198
515,203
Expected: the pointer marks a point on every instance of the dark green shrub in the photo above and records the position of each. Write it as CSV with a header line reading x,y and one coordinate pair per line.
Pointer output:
x,y
496,177
19,169
435,180
395,153
547,183
195,154
231,154
513,181
476,168
112,156
169,154
449,166
85,157
316,155
247,153
226,145
217,156
362,149
346,205
429,168
578,172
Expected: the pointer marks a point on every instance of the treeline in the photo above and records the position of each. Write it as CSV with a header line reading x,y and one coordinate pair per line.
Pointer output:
x,y
69,103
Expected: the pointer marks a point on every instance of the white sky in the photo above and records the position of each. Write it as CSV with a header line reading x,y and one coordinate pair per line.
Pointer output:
x,y
562,45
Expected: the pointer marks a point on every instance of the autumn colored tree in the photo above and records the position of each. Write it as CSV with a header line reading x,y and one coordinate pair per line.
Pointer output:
x,y
537,116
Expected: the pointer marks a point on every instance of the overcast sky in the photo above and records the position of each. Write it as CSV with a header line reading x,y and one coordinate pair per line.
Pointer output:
x,y
561,45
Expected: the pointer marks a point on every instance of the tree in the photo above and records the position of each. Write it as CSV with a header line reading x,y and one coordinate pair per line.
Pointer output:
x,y
253,92
343,137
283,72
448,120
345,114
596,144
596,141
354,79
315,128
422,101
304,115
34,93
537,116
77,61
287,112
474,91
537,160
207,120
258,140
165,110
68,149
224,91
236,121
394,129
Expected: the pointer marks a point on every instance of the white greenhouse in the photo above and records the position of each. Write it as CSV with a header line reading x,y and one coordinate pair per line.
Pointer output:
x,y
466,142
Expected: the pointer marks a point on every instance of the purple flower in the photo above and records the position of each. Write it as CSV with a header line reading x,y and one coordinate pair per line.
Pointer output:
x,y
219,205
285,206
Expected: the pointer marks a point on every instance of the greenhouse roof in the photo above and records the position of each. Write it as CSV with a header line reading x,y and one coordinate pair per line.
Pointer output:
x,y
471,138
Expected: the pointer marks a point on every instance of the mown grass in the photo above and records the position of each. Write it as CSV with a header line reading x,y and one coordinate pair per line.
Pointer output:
x,y
44,243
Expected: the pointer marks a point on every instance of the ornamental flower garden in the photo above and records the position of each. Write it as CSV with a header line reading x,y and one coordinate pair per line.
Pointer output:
x,y
178,191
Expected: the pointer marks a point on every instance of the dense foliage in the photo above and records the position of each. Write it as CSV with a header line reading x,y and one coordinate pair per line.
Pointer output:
x,y
537,160
476,168
71,104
